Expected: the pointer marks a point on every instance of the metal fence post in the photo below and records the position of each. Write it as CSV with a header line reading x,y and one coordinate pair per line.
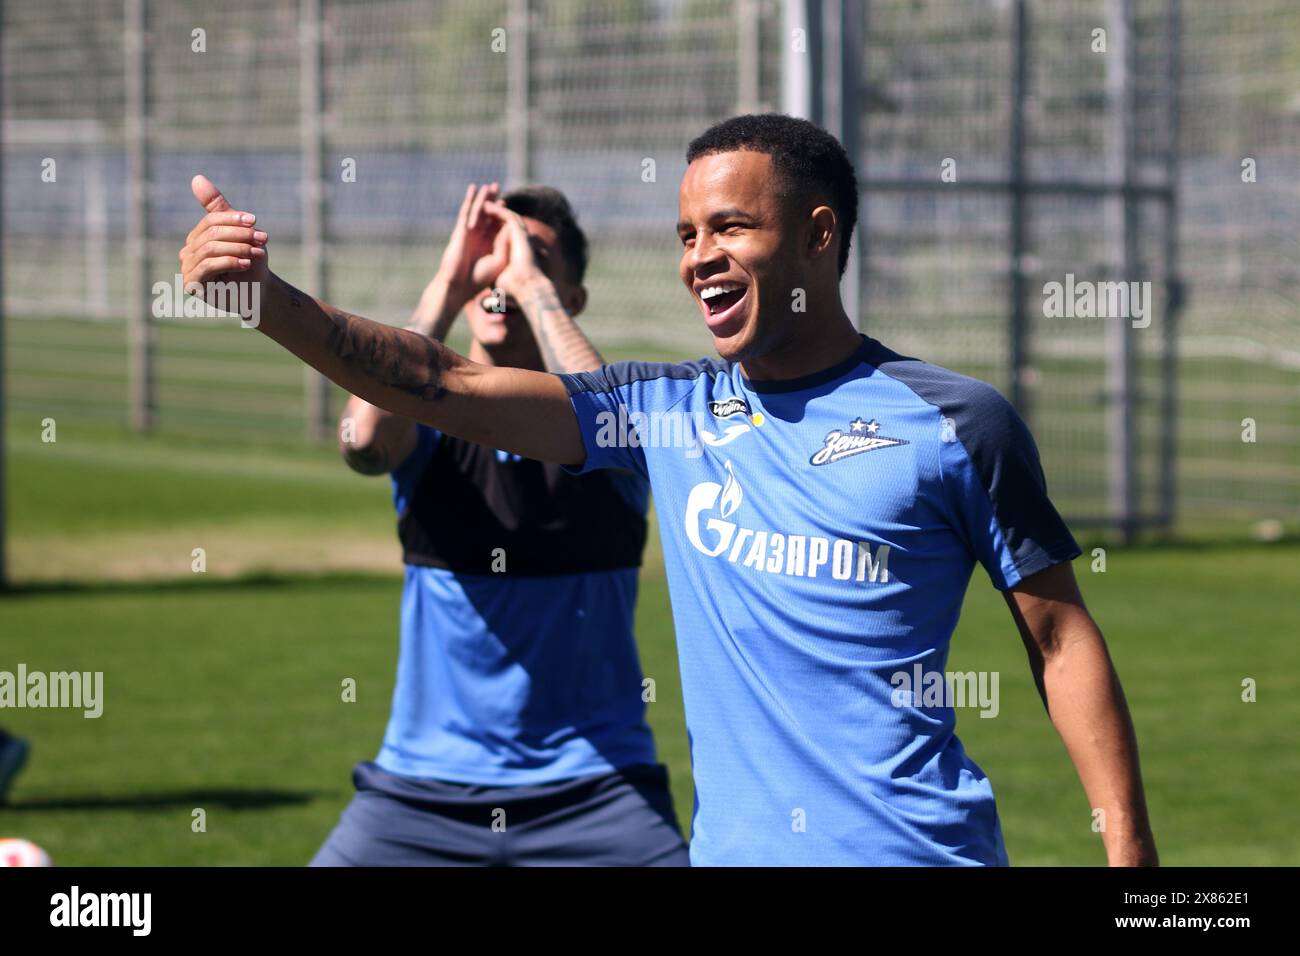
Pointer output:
x,y
1018,329
519,151
859,262
140,372
1121,219
97,241
800,90
842,109
4,541
316,387
749,52
1173,280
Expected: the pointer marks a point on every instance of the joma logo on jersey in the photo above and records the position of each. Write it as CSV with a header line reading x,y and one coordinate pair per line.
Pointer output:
x,y
772,552
730,408
860,437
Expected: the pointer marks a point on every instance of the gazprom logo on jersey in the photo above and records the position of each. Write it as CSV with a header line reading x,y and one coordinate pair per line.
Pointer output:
x,y
709,506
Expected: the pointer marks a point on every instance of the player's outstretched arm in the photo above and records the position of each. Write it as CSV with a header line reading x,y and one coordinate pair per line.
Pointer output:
x,y
1085,702
402,371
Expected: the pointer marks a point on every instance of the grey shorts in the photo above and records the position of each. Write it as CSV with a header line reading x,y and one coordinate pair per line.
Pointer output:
x,y
622,818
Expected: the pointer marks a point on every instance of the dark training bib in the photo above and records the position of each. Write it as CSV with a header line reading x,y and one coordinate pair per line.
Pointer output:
x,y
469,503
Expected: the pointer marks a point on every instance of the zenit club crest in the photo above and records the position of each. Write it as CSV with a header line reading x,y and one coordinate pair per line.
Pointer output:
x,y
861,436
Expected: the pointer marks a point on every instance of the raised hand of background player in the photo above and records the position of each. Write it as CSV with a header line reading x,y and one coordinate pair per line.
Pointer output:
x,y
472,259
512,244
225,246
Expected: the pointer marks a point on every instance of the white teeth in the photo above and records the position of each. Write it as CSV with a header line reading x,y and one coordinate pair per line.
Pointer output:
x,y
716,290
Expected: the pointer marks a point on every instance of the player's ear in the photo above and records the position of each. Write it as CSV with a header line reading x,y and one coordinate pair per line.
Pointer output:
x,y
575,300
821,234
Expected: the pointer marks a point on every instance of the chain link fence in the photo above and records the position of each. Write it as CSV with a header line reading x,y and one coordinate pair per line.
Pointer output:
x,y
352,128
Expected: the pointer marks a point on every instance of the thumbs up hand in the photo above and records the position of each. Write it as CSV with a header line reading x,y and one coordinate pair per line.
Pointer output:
x,y
225,246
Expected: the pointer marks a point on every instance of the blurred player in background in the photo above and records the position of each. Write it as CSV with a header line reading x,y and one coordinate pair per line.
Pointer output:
x,y
517,734
13,755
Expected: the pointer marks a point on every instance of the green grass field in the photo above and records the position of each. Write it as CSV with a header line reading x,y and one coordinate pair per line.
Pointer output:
x,y
223,689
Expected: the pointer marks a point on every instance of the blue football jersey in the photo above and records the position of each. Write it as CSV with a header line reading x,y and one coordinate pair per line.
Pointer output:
x,y
513,678
819,535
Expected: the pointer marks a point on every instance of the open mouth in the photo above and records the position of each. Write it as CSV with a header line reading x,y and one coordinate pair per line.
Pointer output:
x,y
723,302
492,305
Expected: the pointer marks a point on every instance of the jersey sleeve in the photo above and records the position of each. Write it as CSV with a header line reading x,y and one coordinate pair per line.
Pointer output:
x,y
996,489
408,474
613,401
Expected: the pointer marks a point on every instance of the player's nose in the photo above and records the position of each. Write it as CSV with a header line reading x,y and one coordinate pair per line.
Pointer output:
x,y
704,253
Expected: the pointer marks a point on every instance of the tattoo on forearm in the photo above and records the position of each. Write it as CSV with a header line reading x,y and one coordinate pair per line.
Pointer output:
x,y
564,347
395,358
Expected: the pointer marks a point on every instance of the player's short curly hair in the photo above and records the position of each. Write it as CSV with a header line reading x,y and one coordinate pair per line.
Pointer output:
x,y
548,205
809,161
